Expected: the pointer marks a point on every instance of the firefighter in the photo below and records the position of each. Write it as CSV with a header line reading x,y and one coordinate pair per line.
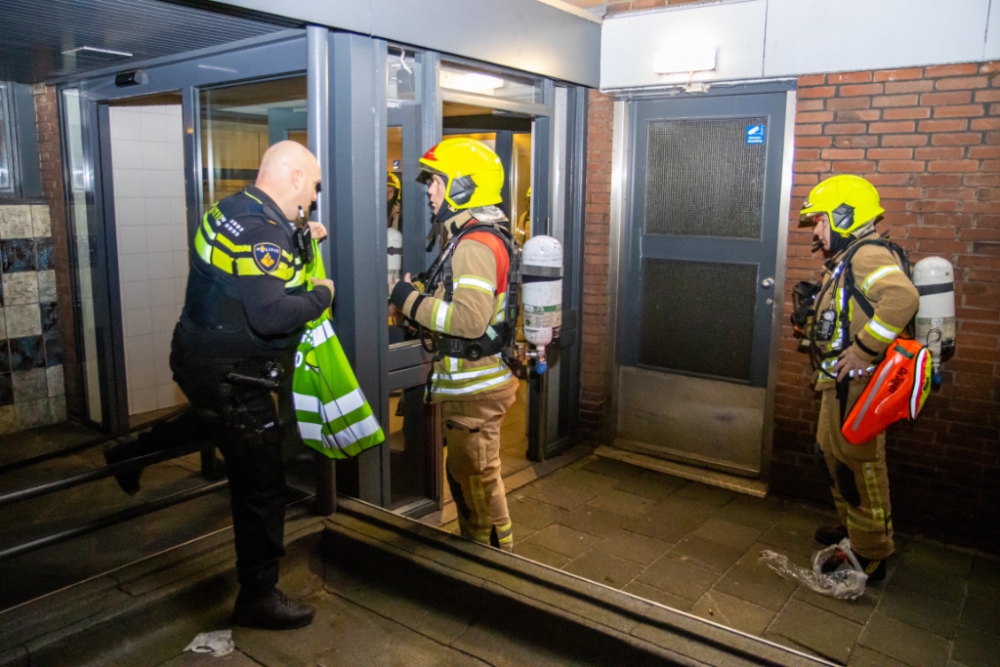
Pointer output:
x,y
466,315
244,312
866,300
393,203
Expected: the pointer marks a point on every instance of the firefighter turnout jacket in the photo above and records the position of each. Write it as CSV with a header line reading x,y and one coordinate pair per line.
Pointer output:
x,y
479,266
881,281
246,293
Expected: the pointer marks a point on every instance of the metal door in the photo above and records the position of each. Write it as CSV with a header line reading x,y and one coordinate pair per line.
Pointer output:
x,y
698,278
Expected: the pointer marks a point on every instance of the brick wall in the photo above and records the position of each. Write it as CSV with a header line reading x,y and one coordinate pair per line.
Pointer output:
x,y
929,139
50,161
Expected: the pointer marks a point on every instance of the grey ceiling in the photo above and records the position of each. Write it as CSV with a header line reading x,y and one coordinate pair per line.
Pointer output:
x,y
35,33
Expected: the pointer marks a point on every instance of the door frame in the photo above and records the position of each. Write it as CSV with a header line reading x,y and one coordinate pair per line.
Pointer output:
x,y
620,240
277,55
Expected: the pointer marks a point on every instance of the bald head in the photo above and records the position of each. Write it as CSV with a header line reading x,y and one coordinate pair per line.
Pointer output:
x,y
289,174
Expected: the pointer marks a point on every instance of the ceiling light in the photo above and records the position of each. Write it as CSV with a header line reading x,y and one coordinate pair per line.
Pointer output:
x,y
470,82
684,60
96,51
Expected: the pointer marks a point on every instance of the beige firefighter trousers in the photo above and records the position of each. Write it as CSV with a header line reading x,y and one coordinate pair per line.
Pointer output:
x,y
858,479
472,433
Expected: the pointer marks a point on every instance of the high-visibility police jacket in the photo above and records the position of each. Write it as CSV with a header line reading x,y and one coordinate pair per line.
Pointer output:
x,y
246,292
479,297
882,282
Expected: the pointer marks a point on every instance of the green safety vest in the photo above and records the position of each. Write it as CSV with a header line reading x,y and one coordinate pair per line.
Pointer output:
x,y
333,415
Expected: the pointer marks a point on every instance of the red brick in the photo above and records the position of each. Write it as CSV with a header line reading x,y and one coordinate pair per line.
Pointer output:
x,y
989,68
809,129
988,95
859,90
820,166
985,124
895,101
953,165
813,142
859,115
899,74
981,152
812,93
890,179
811,80
990,165
853,166
930,233
929,206
855,141
957,139
939,99
991,235
899,192
895,88
940,153
962,111
843,154
844,128
960,194
962,83
814,117
849,77
893,127
938,246
901,165
951,70
809,105
890,153
956,125
807,154
987,180
841,103
905,113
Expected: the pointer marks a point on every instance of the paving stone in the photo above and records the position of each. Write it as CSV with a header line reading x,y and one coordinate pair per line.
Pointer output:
x,y
937,558
563,540
533,513
681,578
633,546
976,649
792,536
985,578
865,657
540,555
920,611
688,508
903,642
652,485
656,595
620,502
705,493
604,569
859,610
520,531
759,513
982,614
582,478
613,468
733,612
560,494
705,553
728,533
935,584
755,582
594,521
664,527
825,634
190,659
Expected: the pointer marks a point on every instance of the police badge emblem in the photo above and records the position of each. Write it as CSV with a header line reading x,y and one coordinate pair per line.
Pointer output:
x,y
267,256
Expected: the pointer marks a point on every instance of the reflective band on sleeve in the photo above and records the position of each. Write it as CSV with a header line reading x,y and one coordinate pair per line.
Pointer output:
x,y
882,331
474,283
441,316
878,274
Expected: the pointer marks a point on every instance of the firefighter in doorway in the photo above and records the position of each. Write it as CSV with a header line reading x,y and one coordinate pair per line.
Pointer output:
x,y
244,313
466,314
865,301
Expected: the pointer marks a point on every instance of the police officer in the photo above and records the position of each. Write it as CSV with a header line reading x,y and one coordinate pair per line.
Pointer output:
x,y
244,311
464,180
868,298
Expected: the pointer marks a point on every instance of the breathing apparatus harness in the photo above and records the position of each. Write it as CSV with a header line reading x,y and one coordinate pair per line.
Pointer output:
x,y
498,338
823,326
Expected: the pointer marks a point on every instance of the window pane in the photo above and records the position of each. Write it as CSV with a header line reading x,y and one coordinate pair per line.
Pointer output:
x,y
5,161
469,81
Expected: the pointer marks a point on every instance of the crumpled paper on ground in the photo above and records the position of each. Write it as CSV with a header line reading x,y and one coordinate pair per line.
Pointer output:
x,y
846,583
218,643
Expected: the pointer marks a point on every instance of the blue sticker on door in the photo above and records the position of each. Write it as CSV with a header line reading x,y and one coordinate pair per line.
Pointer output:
x,y
755,134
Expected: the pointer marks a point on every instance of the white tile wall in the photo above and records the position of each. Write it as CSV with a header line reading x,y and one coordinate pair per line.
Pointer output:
x,y
148,156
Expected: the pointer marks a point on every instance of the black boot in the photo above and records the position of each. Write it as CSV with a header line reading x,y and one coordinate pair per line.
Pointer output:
x,y
271,611
830,535
128,479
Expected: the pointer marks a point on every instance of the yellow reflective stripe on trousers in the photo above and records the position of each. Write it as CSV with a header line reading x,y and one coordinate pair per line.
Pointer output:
x,y
876,275
481,511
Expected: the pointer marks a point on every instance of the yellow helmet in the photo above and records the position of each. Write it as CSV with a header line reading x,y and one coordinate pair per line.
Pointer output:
x,y
472,173
393,180
850,202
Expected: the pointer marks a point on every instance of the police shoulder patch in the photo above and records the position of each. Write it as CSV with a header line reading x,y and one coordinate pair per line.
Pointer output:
x,y
267,256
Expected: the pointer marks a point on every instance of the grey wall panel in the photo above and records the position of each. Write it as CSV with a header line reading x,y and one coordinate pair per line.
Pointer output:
x,y
523,34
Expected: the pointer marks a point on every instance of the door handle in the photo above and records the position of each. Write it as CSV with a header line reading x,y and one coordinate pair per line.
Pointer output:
x,y
767,283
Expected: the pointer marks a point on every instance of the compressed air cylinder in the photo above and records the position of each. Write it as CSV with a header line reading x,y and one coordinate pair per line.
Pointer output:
x,y
395,245
541,292
934,279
